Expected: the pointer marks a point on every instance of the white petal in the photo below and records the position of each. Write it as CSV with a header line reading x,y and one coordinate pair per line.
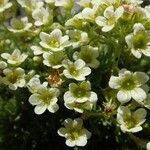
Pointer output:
x,y
62,132
142,77
108,12
53,108
40,109
101,21
148,146
68,123
85,71
64,40
34,99
5,55
135,129
136,53
43,44
146,52
114,82
82,141
79,63
37,50
145,87
119,12
124,96
138,27
107,28
140,115
68,97
138,94
44,37
56,33
70,143
78,122
128,39
67,74
93,97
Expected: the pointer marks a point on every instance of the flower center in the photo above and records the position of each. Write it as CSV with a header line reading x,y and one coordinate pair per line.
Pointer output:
x,y
12,78
18,25
46,97
111,20
77,36
130,122
128,83
74,134
140,40
80,92
73,71
54,43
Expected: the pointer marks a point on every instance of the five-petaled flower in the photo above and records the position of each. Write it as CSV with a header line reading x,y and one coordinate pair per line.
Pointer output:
x,y
45,98
130,85
108,21
76,70
131,121
80,97
139,41
74,132
54,41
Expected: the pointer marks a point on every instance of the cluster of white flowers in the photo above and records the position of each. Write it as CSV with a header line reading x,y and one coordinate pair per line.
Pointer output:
x,y
68,48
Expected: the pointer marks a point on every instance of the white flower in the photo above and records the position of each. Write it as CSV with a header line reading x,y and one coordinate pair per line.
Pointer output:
x,y
16,58
129,85
89,55
14,78
88,14
19,25
74,132
4,4
139,41
3,65
67,4
77,37
54,41
76,70
45,98
131,121
148,146
53,60
31,4
110,18
80,97
42,16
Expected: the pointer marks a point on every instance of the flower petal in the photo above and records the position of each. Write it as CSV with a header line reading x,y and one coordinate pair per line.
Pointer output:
x,y
124,96
138,94
140,115
40,109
